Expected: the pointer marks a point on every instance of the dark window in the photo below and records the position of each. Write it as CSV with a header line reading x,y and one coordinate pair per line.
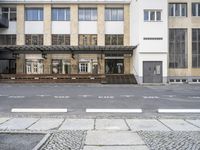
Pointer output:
x,y
114,39
9,13
9,39
177,9
87,14
152,15
195,9
196,48
34,14
87,39
34,39
60,14
60,39
178,48
114,14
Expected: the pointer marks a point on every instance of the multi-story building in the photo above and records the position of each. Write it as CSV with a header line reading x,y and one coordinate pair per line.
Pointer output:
x,y
100,40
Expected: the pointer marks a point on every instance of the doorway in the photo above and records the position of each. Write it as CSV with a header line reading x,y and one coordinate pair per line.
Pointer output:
x,y
114,66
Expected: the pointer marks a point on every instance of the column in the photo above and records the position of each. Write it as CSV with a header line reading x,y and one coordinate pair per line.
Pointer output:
x,y
74,25
101,25
126,25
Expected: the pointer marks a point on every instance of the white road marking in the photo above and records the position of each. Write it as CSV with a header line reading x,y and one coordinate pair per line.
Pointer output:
x,y
127,96
115,110
150,97
61,97
3,95
16,96
105,97
170,96
178,110
38,110
85,96
195,97
43,95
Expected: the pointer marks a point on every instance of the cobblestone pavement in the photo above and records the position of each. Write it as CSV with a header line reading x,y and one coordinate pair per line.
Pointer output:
x,y
65,140
156,140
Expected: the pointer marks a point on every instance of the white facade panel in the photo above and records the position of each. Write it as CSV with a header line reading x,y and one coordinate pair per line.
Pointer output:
x,y
11,30
34,27
87,27
60,27
114,27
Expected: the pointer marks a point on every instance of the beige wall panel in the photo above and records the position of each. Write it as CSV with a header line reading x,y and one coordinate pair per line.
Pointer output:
x,y
127,25
47,24
101,25
47,64
74,25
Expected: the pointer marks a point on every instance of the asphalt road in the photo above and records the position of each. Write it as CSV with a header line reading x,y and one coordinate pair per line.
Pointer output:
x,y
78,97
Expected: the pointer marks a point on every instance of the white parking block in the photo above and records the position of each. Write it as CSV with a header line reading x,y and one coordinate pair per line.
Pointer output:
x,y
105,138
146,125
179,110
195,122
111,124
179,125
50,110
115,148
46,124
18,123
114,110
77,124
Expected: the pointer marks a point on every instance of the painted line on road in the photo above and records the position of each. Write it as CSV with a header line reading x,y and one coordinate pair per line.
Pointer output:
x,y
178,110
51,110
114,110
16,96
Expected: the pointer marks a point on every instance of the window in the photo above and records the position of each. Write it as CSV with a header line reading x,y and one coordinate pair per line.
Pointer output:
x,y
195,9
60,39
34,39
34,14
60,14
87,39
114,39
152,15
178,48
178,9
83,67
9,39
87,14
114,14
34,66
9,13
196,48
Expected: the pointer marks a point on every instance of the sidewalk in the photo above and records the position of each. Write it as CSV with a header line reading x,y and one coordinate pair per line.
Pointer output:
x,y
108,134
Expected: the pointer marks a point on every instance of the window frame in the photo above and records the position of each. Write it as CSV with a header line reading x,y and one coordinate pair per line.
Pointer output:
x,y
57,9
88,14
9,12
40,14
196,43
109,14
197,9
4,38
148,12
31,37
179,12
111,36
56,37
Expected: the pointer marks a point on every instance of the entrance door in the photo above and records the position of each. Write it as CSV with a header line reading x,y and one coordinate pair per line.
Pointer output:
x,y
152,72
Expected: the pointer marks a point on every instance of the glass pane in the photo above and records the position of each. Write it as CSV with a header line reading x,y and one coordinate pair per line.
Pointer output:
x,y
194,47
194,61
194,35
108,14
61,14
4,9
13,17
88,14
107,40
67,14
193,9
158,16
94,14
184,10
198,9
120,40
171,10
114,40
81,14
114,14
120,14
152,16
54,15
177,9
146,15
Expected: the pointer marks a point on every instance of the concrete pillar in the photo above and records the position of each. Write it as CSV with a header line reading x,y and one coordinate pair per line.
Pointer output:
x,y
126,25
20,64
47,24
101,63
20,25
74,25
101,25
127,58
47,64
74,64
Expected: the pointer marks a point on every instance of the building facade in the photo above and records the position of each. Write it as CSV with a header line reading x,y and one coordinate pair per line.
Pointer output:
x,y
109,41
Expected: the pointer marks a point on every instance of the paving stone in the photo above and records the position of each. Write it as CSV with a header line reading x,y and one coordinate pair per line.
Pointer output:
x,y
112,138
179,125
111,124
173,140
46,124
77,124
2,120
146,125
18,123
115,148
195,122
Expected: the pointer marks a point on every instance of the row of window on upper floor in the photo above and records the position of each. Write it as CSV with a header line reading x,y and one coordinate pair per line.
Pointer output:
x,y
63,14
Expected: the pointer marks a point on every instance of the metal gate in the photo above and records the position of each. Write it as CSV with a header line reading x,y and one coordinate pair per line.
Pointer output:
x,y
152,72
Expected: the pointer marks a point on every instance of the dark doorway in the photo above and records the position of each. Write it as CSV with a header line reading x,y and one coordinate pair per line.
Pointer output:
x,y
114,66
